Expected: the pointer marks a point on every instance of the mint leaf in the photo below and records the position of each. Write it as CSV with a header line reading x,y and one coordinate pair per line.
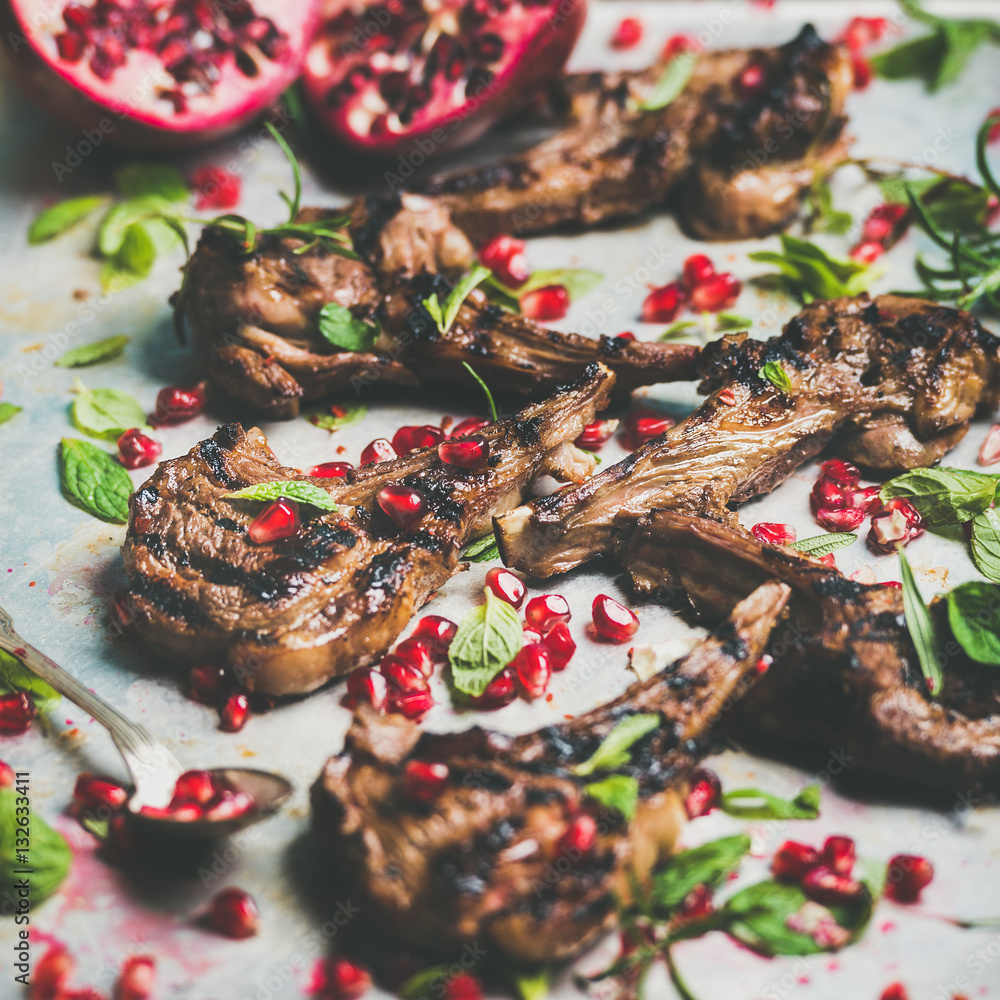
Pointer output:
x,y
820,545
15,676
732,321
824,217
332,418
986,544
679,329
707,865
94,481
921,627
445,316
618,791
760,915
974,617
483,549
140,180
92,354
615,749
808,272
289,489
132,262
105,413
8,410
943,496
671,83
341,329
488,638
57,219
533,985
49,856
752,803
123,216
774,373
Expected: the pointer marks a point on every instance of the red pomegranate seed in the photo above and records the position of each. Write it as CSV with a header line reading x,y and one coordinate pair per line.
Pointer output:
x,y
613,621
137,979
412,704
839,855
899,524
716,293
235,713
704,793
662,304
175,404
867,252
505,585
862,72
367,685
627,34
234,914
864,31
403,676
215,188
50,976
559,642
697,268
463,987
470,452
417,654
544,611
229,804
533,668
331,470
580,836
403,505
829,888
206,684
828,495
424,780
792,860
751,80
531,635
865,575
380,450
897,991
504,256
436,633
679,43
773,533
697,904
470,425
597,434
500,691
343,980
96,792
727,396
907,876
16,713
278,520
409,438
627,335
989,451
829,560
840,520
868,499
883,223
550,302
841,472
195,786
6,775
137,449
644,425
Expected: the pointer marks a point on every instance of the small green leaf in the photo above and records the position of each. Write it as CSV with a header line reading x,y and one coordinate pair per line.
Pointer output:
x,y
57,219
576,280
679,329
824,217
105,413
974,617
774,373
332,418
49,857
708,865
427,983
809,272
342,330
288,489
731,321
752,803
821,545
618,791
534,985
921,627
490,404
140,180
15,676
123,216
671,83
943,496
8,411
133,261
445,316
986,544
615,749
94,481
760,915
484,549
488,638
92,354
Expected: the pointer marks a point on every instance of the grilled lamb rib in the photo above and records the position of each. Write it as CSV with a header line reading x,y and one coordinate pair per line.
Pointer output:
x,y
291,614
895,381
845,675
482,861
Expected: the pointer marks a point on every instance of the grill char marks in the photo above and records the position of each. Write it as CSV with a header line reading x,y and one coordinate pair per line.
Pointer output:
x,y
475,864
845,675
893,382
292,614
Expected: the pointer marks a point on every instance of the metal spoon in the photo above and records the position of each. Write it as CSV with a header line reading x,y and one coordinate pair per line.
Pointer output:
x,y
153,768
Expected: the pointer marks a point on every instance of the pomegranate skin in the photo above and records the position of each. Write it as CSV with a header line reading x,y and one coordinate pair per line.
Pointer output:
x,y
124,110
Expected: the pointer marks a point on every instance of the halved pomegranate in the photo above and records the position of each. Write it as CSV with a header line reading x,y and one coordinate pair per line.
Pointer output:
x,y
156,74
389,78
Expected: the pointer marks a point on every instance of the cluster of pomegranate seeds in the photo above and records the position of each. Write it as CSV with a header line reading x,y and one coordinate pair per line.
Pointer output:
x,y
97,792
137,979
860,33
175,404
825,876
234,914
643,425
424,780
380,450
773,533
628,33
703,794
989,450
897,524
403,505
331,470
504,256
595,435
547,303
885,225
137,450
279,519
199,795
340,979
702,288
468,452
613,621
17,712
409,438
215,188
907,876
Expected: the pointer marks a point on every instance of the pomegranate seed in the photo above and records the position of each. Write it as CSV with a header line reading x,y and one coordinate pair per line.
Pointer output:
x,y
644,425
627,335
899,524
206,684
234,914
499,692
597,434
276,521
505,585
436,633
697,269
704,793
71,46
137,979
408,439
470,452
884,222
865,575
50,977
16,713
627,34
751,80
792,860
716,293
663,304
424,780
828,495
559,642
828,560
773,533
580,836
897,991
343,980
463,987
331,470
417,654
697,904
6,775
504,256
215,188
137,449
727,396
868,499
403,505
380,450
994,135
531,635
867,252
906,876
195,786
613,621
403,676
543,612
413,704
840,520
235,713
366,685
862,72
989,451
533,669
841,472
550,302
829,888
679,43
839,855
95,792
174,404
470,425
229,805
864,31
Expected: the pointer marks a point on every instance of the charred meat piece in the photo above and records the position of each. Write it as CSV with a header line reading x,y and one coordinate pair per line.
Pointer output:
x,y
845,675
290,614
737,148
255,318
486,858
893,381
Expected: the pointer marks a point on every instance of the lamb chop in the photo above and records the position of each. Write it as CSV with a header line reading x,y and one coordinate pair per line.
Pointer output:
x,y
845,675
736,149
507,850
290,614
893,381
